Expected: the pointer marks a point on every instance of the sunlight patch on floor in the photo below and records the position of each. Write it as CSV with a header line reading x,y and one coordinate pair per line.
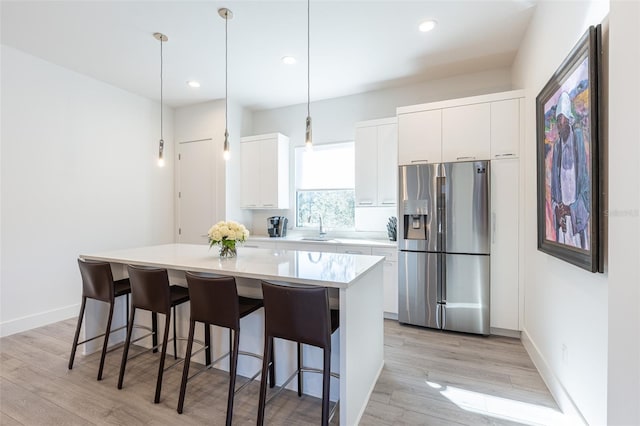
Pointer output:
x,y
502,408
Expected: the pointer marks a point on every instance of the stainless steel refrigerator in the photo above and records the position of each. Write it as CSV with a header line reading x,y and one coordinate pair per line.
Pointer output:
x,y
444,247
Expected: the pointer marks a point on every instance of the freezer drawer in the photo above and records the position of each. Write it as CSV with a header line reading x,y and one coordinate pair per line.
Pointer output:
x,y
418,288
466,294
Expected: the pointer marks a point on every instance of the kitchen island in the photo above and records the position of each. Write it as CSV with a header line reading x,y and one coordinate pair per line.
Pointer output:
x,y
354,282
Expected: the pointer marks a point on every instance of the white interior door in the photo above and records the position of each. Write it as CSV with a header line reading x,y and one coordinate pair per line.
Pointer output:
x,y
196,190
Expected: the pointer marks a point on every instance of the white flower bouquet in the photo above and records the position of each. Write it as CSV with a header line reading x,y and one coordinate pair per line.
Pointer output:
x,y
226,235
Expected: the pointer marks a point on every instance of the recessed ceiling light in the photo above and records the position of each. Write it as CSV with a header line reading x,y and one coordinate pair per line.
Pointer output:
x,y
289,60
193,83
427,26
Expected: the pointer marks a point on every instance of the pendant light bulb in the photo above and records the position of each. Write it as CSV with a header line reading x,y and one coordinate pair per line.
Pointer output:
x,y
226,154
308,142
161,154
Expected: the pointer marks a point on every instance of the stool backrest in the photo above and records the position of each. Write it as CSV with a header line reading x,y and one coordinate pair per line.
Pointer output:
x,y
150,289
214,300
300,314
97,280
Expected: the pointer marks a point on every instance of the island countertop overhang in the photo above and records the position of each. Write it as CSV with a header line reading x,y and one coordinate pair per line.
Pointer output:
x,y
334,270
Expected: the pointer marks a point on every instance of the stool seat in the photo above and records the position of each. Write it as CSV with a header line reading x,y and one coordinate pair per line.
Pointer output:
x,y
178,294
122,287
248,306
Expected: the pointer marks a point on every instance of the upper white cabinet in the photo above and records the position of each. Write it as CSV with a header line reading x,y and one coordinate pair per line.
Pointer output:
x,y
376,148
466,133
265,171
475,128
420,137
505,128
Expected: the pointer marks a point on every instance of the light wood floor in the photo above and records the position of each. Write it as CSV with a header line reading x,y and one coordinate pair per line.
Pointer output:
x,y
429,378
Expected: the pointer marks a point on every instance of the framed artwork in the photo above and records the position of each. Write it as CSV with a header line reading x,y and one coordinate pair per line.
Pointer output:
x,y
568,134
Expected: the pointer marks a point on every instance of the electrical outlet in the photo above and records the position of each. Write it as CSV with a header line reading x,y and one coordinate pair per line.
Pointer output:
x,y
565,354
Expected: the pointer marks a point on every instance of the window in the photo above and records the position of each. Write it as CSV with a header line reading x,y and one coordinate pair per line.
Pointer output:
x,y
325,181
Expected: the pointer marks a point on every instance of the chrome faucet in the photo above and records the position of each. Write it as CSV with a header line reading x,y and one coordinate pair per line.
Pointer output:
x,y
321,230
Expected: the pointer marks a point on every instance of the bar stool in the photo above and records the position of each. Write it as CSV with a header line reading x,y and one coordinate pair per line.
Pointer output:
x,y
150,290
216,301
302,315
98,284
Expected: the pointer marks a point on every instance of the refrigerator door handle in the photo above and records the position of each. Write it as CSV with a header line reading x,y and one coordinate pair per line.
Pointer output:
x,y
443,309
443,277
438,309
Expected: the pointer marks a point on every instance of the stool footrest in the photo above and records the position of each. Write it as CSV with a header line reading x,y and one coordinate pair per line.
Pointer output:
x,y
100,335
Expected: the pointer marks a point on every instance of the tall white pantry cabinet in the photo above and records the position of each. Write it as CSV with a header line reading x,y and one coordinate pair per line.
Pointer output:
x,y
487,127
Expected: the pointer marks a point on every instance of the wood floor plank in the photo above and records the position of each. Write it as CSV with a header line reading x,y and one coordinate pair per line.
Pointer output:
x,y
430,377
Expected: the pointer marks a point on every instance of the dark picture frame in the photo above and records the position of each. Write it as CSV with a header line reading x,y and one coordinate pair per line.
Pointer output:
x,y
568,126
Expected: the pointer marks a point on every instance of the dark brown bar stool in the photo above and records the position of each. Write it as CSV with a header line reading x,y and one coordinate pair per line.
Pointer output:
x,y
302,315
98,284
215,300
150,290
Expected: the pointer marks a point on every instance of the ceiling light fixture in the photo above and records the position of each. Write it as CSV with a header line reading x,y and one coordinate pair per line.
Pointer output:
x,y
226,14
427,26
162,38
308,139
193,83
289,60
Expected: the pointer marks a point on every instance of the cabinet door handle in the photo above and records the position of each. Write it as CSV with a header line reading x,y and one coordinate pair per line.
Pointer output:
x,y
419,161
352,252
365,203
389,202
267,205
506,154
465,158
246,245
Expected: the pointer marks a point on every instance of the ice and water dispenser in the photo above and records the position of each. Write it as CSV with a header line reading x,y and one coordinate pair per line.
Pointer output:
x,y
415,220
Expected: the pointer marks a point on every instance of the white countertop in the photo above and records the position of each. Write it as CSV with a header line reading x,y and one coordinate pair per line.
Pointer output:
x,y
329,240
337,270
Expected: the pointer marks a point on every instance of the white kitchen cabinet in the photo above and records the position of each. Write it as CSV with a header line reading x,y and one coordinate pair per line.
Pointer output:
x,y
505,128
265,172
390,279
376,152
420,137
505,212
466,133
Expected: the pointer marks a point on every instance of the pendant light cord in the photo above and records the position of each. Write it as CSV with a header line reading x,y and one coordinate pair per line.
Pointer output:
x,y
226,66
308,59
161,81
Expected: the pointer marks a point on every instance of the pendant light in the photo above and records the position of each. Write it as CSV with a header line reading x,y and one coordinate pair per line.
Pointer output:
x,y
308,139
226,14
162,38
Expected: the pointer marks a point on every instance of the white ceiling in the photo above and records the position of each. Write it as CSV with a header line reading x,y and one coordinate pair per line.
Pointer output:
x,y
356,45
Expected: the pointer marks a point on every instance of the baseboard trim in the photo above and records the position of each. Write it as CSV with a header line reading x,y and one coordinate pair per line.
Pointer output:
x,y
505,332
559,393
391,316
28,322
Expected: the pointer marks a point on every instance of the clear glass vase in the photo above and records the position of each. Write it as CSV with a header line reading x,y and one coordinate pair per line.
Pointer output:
x,y
227,251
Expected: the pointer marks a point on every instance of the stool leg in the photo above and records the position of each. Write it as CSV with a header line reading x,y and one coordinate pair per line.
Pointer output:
x,y
125,352
77,335
154,328
207,343
268,343
230,348
326,377
175,341
185,370
272,368
163,355
106,340
299,369
232,380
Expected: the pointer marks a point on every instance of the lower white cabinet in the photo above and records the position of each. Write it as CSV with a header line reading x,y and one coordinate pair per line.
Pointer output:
x,y
390,279
505,178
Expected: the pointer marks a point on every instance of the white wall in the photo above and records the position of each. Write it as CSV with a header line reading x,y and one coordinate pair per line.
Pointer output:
x,y
79,174
564,305
624,215
334,120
